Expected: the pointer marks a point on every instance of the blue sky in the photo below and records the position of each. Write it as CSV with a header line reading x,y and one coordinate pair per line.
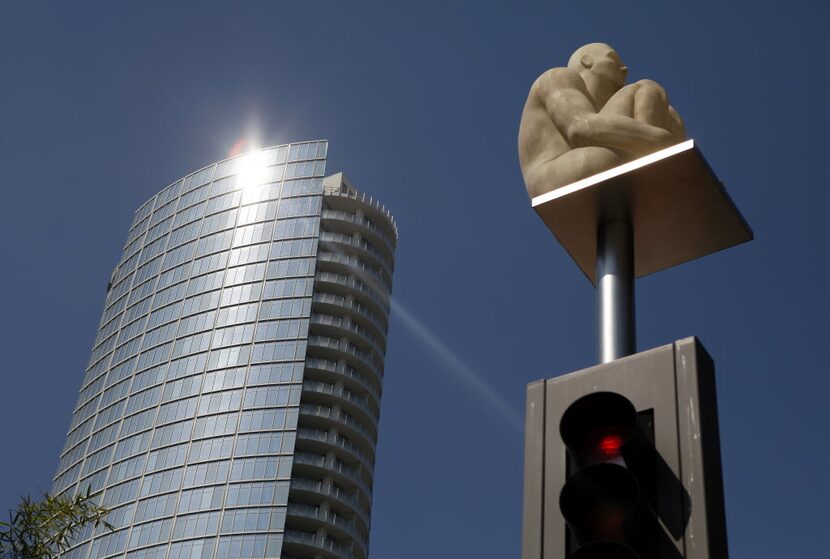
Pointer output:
x,y
104,105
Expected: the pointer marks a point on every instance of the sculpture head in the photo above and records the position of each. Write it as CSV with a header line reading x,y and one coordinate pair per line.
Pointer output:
x,y
602,61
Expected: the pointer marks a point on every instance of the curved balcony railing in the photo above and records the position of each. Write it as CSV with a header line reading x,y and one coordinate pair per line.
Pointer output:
x,y
366,225
357,266
345,371
359,245
352,306
372,361
350,327
335,442
368,200
337,467
357,287
342,526
356,403
344,421
320,543
333,493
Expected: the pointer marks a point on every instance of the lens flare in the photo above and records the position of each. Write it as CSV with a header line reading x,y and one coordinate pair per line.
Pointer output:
x,y
251,169
456,365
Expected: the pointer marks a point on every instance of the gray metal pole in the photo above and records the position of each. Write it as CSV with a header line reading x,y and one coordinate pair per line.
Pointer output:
x,y
616,334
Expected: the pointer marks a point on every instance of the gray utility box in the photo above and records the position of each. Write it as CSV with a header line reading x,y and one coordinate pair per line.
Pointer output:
x,y
673,390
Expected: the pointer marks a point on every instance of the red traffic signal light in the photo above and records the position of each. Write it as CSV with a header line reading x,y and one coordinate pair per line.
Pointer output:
x,y
602,500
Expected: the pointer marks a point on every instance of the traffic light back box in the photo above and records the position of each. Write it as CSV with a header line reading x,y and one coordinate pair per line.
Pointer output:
x,y
673,457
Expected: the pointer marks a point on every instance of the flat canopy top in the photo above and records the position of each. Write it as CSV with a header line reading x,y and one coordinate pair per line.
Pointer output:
x,y
678,208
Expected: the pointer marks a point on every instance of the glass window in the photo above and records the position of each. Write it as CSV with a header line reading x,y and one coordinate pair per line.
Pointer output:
x,y
278,351
172,434
187,366
213,425
190,214
220,402
193,549
176,411
119,494
249,254
261,468
244,274
138,422
155,507
275,373
253,520
237,314
206,474
167,457
224,379
191,344
126,469
262,420
179,255
211,449
206,498
207,282
241,294
219,222
150,533
201,303
257,493
259,444
131,445
233,335
192,525
228,357
169,480
182,388
109,544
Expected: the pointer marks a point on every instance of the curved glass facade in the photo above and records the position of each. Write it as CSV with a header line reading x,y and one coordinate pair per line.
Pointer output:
x,y
230,405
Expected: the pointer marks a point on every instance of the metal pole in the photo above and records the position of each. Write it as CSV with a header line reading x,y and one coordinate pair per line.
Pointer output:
x,y
616,334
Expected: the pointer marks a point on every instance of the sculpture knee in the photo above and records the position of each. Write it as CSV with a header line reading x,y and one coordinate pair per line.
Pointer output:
x,y
648,89
651,104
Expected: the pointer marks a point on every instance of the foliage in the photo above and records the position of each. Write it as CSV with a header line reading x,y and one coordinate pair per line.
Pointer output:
x,y
44,529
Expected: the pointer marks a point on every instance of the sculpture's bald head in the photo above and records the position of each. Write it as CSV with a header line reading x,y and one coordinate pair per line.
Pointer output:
x,y
601,60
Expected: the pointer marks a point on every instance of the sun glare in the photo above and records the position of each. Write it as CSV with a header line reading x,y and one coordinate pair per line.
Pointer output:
x,y
251,169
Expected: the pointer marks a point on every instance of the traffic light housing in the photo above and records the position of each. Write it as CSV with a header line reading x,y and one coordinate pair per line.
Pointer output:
x,y
622,460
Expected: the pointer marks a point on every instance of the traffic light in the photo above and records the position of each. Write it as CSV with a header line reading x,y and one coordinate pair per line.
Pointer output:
x,y
603,499
622,460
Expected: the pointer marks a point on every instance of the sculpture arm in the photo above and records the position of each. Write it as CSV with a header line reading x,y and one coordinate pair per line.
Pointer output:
x,y
620,133
568,104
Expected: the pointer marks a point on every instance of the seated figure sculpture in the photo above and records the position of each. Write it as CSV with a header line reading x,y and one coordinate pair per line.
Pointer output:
x,y
581,120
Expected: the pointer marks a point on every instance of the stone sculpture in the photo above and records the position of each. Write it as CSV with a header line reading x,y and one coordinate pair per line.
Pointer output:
x,y
583,119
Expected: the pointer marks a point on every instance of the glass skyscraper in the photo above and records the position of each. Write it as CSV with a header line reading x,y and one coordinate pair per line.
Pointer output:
x,y
230,406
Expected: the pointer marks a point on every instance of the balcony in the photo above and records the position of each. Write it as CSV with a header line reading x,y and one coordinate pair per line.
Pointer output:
x,y
361,247
356,288
355,265
332,368
379,208
337,348
310,489
342,326
310,516
354,403
330,442
311,543
356,431
339,303
344,473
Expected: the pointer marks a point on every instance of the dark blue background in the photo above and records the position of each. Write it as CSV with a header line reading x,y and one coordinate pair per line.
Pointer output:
x,y
102,105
